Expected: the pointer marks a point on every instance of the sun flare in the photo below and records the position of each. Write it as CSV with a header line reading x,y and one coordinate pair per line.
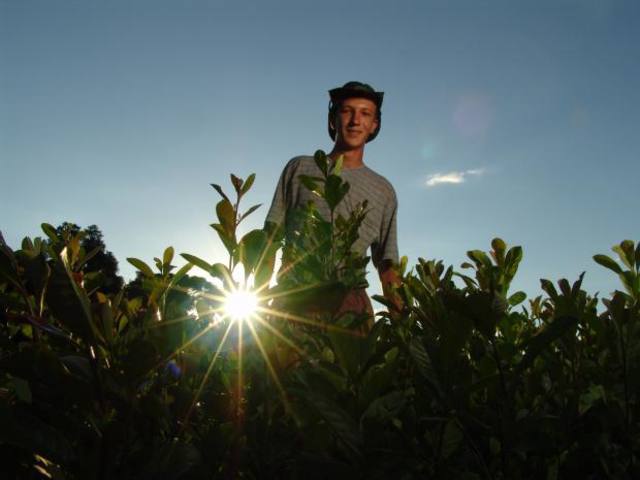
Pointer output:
x,y
240,304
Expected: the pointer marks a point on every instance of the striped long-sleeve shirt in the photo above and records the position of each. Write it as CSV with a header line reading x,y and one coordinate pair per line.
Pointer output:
x,y
378,231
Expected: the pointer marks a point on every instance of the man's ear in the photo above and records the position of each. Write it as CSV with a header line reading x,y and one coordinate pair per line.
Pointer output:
x,y
374,124
332,120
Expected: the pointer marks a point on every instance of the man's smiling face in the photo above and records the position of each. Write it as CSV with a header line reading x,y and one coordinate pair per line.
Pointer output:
x,y
355,120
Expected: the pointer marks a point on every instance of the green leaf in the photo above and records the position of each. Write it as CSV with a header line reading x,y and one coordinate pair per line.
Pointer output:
x,y
565,288
141,266
539,342
311,183
167,256
141,358
179,275
479,258
218,189
251,248
384,408
158,263
548,287
486,310
226,216
376,380
50,231
321,161
249,212
248,183
629,280
220,271
498,245
423,363
625,252
174,461
237,183
512,260
334,193
499,248
495,447
78,366
337,166
105,317
452,437
227,239
21,387
89,256
264,269
340,422
36,272
517,298
26,431
346,346
608,262
197,261
68,302
591,397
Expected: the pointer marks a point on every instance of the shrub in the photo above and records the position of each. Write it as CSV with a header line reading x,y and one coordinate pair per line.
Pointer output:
x,y
470,380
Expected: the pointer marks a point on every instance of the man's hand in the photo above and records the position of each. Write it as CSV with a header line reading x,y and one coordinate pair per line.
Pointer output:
x,y
390,280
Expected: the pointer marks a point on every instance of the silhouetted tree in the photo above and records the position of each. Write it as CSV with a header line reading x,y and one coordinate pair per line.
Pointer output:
x,y
103,262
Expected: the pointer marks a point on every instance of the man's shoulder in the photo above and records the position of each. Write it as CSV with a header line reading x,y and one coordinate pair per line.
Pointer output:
x,y
380,181
302,164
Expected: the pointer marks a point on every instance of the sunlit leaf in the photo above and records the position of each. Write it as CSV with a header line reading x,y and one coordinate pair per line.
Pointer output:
x,y
337,166
499,248
625,253
248,183
167,256
141,266
226,215
197,261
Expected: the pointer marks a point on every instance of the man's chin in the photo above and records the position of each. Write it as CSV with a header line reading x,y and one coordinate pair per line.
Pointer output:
x,y
351,144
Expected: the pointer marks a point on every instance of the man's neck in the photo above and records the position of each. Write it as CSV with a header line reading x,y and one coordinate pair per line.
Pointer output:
x,y
350,158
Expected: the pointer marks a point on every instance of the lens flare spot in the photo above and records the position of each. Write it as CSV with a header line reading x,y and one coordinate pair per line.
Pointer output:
x,y
241,304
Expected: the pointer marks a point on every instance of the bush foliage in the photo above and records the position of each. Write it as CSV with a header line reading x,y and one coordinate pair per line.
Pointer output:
x,y
470,380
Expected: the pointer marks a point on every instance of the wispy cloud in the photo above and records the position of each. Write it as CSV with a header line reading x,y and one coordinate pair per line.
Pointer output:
x,y
452,177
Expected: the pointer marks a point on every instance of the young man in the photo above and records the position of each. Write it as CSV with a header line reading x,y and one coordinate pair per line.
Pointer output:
x,y
354,119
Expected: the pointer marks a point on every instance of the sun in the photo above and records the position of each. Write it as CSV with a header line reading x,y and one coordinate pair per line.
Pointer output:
x,y
240,304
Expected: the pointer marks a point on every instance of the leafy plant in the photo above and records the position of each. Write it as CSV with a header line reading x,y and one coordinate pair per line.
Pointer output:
x,y
155,380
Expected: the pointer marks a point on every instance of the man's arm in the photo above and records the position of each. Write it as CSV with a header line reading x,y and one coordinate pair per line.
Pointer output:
x,y
390,281
385,254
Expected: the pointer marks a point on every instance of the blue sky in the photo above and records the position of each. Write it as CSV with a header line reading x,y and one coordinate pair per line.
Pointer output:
x,y
517,119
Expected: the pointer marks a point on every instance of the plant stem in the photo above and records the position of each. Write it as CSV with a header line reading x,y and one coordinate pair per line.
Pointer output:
x,y
496,358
